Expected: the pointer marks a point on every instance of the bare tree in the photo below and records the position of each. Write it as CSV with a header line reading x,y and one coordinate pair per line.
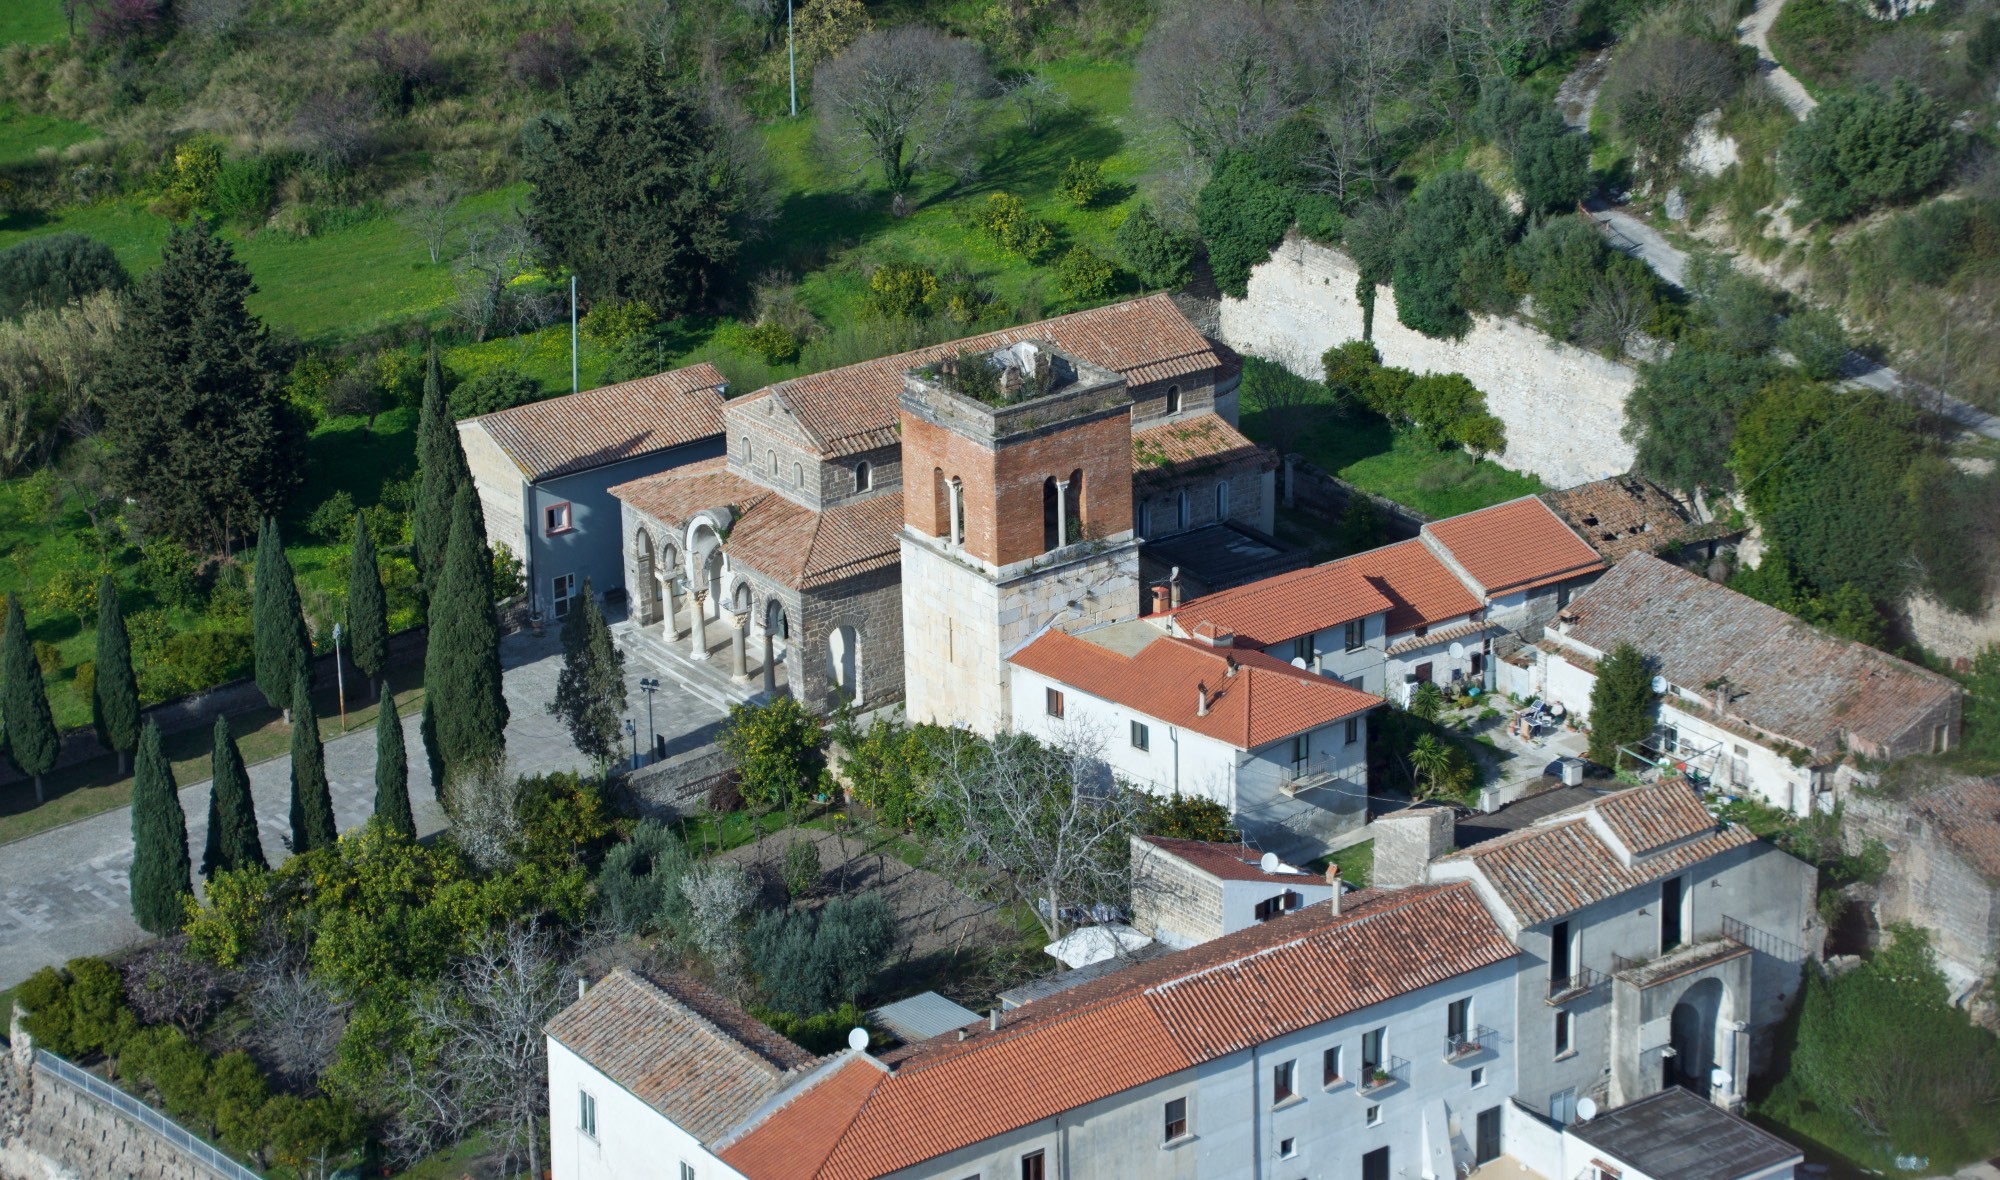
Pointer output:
x,y
1617,311
1220,74
1036,98
484,805
298,1020
1046,820
429,209
51,362
908,99
166,985
1659,85
718,896
333,131
494,252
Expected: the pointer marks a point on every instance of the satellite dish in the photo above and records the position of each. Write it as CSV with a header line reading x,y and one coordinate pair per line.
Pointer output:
x,y
1718,1077
1659,684
1457,650
1268,862
1586,1109
1298,661
857,1039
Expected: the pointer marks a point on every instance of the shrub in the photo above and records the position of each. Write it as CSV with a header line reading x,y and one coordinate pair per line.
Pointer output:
x,y
1082,182
333,521
1427,702
821,1034
901,290
1243,213
245,188
1159,256
51,271
1454,237
78,1010
493,391
1928,244
887,765
1866,148
69,590
197,660
776,748
611,323
808,961
1006,220
772,341
801,867
1817,342
638,888
1083,275
1188,817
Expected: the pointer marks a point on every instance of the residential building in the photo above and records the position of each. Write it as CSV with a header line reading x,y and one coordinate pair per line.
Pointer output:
x,y
1371,1041
544,472
1521,560
1660,946
1750,697
1284,750
1187,892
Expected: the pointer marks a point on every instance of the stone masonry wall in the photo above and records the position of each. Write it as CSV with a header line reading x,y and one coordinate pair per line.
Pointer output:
x,y
50,1131
1562,406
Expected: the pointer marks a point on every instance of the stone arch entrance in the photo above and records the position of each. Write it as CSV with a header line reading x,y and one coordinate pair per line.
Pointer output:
x,y
843,658
1692,1028
646,576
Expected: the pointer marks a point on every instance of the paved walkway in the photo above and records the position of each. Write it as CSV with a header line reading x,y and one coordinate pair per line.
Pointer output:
x,y
63,893
1755,31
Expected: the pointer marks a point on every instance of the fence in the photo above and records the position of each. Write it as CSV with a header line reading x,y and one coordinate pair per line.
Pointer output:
x,y
170,1132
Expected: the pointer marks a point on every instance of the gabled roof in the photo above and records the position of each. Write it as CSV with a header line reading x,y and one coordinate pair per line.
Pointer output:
x,y
1563,862
771,534
1513,547
1266,700
853,409
1626,514
679,1048
1422,592
1201,444
1148,1021
1228,862
611,424
1286,606
1784,677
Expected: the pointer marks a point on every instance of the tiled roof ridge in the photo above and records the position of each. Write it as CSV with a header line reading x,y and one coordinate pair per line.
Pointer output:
x,y
814,1074
708,1027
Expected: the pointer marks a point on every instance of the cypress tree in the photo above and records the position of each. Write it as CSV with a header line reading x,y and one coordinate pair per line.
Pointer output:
x,y
392,769
32,740
465,711
590,689
161,883
284,650
441,471
114,701
1621,704
233,842
367,609
312,800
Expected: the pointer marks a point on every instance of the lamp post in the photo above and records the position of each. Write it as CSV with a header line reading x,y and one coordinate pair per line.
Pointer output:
x,y
632,732
340,678
792,58
649,685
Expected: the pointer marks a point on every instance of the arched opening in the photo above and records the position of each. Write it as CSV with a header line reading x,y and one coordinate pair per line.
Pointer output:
x,y
741,599
843,658
646,570
1051,515
776,624
670,574
940,505
1074,502
1173,399
771,457
1222,500
798,475
864,476
1691,1031
957,490
1181,509
711,580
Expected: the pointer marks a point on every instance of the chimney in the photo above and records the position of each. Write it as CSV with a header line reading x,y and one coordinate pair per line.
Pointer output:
x,y
993,1019
1333,879
1201,709
1174,581
582,986
1160,599
1230,661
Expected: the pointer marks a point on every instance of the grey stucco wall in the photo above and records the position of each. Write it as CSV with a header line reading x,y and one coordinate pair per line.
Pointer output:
x,y
594,546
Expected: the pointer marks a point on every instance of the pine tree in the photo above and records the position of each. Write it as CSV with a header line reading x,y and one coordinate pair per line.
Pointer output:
x,y
233,842
194,409
160,881
465,711
32,740
590,690
284,650
367,609
392,769
312,800
441,471
114,699
1621,704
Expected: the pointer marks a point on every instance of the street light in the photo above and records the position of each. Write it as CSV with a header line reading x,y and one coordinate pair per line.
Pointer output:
x,y
650,685
632,731
340,678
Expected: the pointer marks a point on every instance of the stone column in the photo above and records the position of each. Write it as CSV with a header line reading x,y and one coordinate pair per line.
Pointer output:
x,y
700,648
955,526
770,674
739,639
1062,513
671,599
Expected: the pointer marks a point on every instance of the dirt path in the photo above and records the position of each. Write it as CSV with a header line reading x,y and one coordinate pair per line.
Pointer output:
x,y
1755,31
1577,95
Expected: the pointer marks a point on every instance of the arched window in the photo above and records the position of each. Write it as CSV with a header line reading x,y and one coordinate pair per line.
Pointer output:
x,y
940,504
772,458
864,476
1050,514
1222,499
958,511
798,475
1181,509
843,657
1173,399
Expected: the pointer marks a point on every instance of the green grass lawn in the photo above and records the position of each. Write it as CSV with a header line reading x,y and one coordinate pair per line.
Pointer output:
x,y
31,22
22,134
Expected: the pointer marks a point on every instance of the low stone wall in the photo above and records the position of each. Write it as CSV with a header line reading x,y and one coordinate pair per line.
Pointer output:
x,y
675,788
50,1130
1944,632
1563,406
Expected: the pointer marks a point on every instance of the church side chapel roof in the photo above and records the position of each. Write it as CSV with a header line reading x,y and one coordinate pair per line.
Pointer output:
x,y
1202,444
854,409
609,425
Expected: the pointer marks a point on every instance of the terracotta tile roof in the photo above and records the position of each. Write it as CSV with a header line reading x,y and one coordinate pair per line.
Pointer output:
x,y
1561,863
1229,862
1265,701
1785,677
680,1048
1286,606
1422,592
1410,643
853,409
1514,546
607,425
1149,1021
1966,812
771,534
1625,514
1203,444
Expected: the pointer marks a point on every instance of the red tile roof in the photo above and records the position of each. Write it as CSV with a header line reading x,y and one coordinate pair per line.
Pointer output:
x,y
1228,862
1286,606
849,410
1203,444
1149,1021
1626,514
1967,814
1265,701
1561,863
1422,591
680,1048
1514,546
611,424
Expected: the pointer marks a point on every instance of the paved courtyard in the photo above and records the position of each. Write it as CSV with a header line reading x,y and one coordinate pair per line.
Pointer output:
x,y
63,892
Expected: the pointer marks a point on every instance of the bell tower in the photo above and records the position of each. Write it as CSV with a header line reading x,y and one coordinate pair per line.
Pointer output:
x,y
1017,514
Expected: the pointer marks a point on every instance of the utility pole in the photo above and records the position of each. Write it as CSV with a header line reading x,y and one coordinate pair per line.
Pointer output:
x,y
792,58
572,334
649,685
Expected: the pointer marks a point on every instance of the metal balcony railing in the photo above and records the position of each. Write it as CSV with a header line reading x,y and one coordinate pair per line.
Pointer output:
x,y
1569,987
169,1132
1375,1079
1470,1043
1762,941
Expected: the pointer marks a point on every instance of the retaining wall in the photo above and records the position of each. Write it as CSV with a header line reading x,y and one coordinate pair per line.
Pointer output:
x,y
675,788
1563,406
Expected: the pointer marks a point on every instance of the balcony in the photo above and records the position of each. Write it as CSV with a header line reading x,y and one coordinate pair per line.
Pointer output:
x,y
1304,776
1471,1043
1375,1079
1585,981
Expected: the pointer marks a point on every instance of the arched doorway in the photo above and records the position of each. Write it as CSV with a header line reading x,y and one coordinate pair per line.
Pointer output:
x,y
646,570
1691,1031
843,657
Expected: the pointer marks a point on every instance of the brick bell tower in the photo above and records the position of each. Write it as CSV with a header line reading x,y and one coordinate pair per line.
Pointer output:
x,y
1017,514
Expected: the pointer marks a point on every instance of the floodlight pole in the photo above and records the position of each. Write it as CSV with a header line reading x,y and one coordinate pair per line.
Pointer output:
x,y
792,58
572,334
340,678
